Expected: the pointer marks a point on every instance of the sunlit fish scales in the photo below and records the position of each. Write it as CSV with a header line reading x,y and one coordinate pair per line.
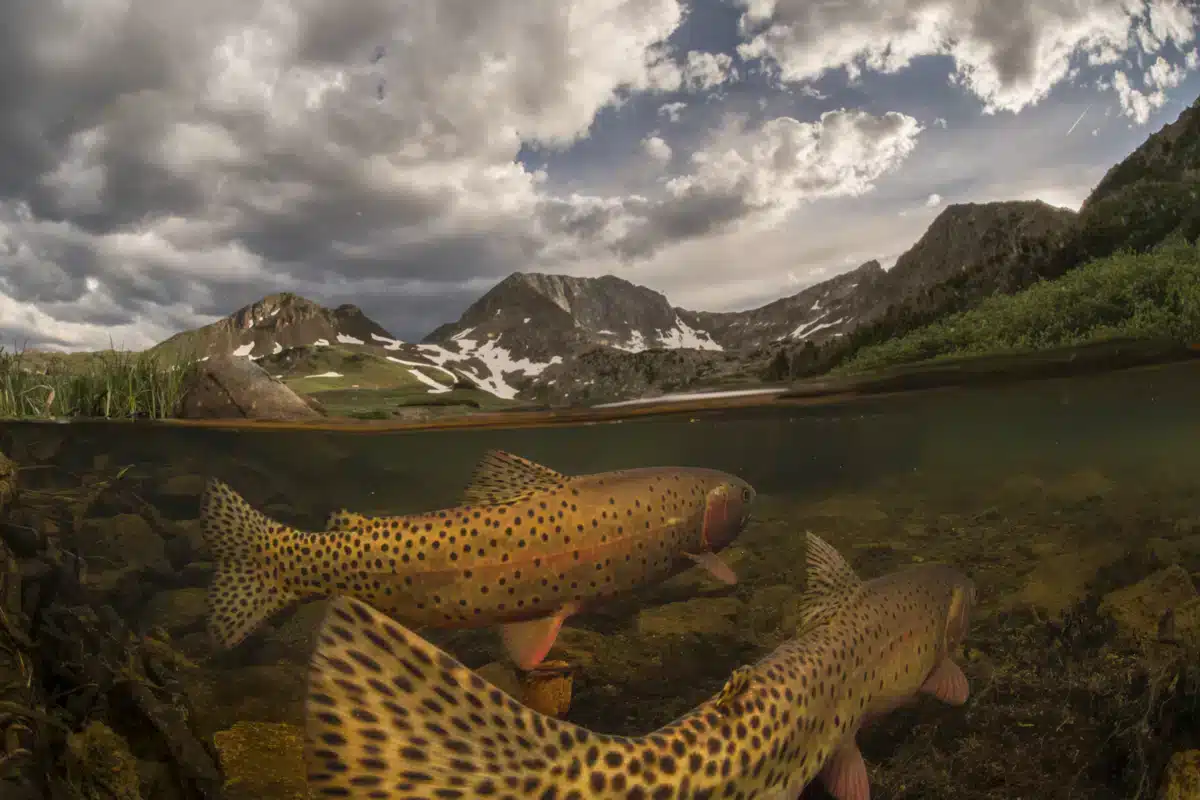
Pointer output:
x,y
530,548
391,716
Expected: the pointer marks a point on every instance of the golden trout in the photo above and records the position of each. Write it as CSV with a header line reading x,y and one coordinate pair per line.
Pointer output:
x,y
391,716
529,548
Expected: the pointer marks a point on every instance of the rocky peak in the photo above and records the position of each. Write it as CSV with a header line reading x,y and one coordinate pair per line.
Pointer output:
x,y
996,243
277,322
1170,155
570,314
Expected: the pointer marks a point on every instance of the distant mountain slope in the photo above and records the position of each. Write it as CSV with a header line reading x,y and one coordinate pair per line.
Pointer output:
x,y
571,314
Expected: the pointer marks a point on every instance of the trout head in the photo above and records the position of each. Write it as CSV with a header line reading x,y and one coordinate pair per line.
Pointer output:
x,y
726,512
955,601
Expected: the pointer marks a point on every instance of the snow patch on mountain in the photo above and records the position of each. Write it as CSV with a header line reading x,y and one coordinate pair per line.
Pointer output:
x,y
497,362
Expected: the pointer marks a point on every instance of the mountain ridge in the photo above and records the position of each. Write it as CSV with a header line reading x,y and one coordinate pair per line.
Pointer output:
x,y
567,339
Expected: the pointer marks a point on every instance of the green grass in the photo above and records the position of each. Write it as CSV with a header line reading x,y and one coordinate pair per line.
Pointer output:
x,y
387,403
110,384
1154,295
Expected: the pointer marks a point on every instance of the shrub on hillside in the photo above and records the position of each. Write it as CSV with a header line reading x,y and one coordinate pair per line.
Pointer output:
x,y
1148,296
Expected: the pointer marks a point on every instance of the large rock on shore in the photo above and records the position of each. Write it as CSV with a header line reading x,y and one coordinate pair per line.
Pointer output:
x,y
229,387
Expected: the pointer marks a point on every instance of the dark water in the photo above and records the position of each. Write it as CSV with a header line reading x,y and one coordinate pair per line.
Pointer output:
x,y
1074,504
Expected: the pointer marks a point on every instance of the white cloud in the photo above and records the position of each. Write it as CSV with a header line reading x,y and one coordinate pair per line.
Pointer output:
x,y
933,201
1008,54
166,162
671,111
656,148
787,161
1138,104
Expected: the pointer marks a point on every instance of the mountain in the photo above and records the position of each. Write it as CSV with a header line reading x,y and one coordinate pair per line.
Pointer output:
x,y
571,314
822,311
274,323
557,338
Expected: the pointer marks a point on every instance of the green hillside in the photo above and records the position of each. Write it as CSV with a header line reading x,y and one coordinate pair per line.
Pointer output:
x,y
1154,295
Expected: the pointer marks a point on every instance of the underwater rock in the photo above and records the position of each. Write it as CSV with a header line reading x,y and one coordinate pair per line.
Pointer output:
x,y
296,632
220,698
772,614
1163,553
547,688
182,486
228,387
712,616
186,544
125,540
1138,609
502,675
1059,581
177,611
1080,487
262,761
1181,781
851,508
100,765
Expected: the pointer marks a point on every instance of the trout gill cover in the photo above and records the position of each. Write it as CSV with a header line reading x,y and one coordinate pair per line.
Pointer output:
x,y
392,717
528,548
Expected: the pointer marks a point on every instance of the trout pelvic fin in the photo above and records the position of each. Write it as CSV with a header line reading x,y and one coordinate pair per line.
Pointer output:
x,y
501,477
715,566
242,594
529,642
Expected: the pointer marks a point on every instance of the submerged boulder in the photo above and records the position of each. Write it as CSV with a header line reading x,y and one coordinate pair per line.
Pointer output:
x,y
236,388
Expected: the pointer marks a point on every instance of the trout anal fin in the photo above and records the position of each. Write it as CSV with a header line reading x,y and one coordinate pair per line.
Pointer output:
x,y
845,775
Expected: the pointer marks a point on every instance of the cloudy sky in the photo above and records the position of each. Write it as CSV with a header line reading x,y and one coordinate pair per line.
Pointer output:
x,y
164,162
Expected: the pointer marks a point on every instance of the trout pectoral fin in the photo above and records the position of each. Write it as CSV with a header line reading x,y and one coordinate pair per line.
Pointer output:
x,y
947,683
845,776
715,566
528,642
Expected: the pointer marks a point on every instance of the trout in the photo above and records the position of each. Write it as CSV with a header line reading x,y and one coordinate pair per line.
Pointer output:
x,y
391,716
529,548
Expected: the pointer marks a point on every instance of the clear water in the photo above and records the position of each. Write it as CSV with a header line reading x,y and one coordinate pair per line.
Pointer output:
x,y
1054,496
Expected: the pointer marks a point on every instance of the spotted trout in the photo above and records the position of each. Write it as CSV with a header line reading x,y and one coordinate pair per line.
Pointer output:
x,y
528,548
391,716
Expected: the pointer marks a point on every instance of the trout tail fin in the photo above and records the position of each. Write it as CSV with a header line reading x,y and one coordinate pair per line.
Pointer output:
x,y
244,591
391,716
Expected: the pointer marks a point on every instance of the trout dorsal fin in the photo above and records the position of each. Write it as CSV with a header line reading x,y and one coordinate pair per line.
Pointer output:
x,y
501,477
830,582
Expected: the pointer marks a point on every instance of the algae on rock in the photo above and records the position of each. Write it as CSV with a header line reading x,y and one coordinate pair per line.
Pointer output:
x,y
263,761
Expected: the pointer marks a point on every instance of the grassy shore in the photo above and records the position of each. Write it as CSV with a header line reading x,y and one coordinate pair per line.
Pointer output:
x,y
1154,295
110,384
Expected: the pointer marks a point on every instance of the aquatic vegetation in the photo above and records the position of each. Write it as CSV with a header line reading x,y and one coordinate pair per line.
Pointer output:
x,y
110,384
1154,295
